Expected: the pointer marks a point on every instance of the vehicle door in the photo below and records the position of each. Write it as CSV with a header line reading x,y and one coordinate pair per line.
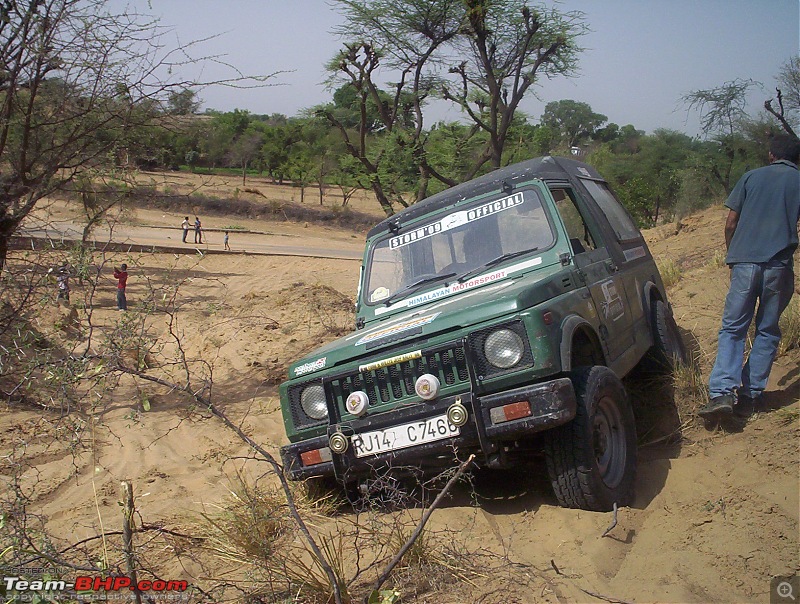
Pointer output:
x,y
628,250
597,268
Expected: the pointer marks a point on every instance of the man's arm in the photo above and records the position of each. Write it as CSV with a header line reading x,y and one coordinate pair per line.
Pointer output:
x,y
730,227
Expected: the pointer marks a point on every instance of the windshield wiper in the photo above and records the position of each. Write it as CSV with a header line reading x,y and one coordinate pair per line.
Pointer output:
x,y
415,286
471,273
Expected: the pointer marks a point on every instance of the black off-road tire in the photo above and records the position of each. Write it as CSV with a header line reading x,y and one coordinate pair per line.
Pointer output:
x,y
592,460
668,350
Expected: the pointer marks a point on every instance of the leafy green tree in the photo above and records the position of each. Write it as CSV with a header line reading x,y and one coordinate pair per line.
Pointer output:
x,y
245,150
722,116
573,120
300,166
183,102
648,181
505,47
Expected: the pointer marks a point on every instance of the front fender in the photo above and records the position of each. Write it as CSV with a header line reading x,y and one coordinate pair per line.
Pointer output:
x,y
569,326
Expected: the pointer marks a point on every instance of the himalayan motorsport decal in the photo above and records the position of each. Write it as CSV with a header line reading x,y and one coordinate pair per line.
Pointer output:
x,y
456,219
395,329
310,367
456,287
400,358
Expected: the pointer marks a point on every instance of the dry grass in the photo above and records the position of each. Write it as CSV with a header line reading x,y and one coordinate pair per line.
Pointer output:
x,y
670,272
717,260
690,388
787,416
790,328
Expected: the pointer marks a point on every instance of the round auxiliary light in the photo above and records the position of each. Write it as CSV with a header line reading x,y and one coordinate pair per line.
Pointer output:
x,y
312,400
457,414
338,443
427,386
357,402
503,348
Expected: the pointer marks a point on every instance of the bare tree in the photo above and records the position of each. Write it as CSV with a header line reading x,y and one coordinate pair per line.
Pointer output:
x,y
76,78
787,95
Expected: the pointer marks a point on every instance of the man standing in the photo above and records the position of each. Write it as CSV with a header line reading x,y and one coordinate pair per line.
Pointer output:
x,y
198,232
62,280
121,275
761,236
185,227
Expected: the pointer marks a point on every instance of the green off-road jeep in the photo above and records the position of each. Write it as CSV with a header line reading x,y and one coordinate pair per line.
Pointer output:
x,y
496,318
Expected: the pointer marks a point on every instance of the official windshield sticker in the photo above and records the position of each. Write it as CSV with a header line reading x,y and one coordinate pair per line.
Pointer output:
x,y
457,287
584,171
401,358
310,367
395,329
456,219
379,293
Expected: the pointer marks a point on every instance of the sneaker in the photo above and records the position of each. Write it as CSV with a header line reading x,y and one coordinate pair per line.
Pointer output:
x,y
746,406
717,406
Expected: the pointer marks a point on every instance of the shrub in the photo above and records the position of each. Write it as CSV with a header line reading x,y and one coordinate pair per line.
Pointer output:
x,y
670,272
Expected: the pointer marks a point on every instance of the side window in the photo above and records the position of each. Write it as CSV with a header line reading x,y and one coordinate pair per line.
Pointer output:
x,y
580,238
617,215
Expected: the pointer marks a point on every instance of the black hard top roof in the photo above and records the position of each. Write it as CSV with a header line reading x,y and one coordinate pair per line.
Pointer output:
x,y
545,168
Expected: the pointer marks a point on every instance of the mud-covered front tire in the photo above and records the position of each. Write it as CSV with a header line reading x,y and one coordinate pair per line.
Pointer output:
x,y
592,460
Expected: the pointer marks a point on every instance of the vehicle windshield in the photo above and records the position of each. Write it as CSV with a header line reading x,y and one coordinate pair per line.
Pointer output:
x,y
457,244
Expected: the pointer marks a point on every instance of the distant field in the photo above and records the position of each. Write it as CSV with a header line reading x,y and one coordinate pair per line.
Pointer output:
x,y
230,186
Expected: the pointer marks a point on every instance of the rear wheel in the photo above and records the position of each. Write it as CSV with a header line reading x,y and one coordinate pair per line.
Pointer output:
x,y
592,460
668,350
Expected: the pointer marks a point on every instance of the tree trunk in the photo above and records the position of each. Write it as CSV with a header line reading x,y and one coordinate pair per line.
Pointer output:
x,y
386,205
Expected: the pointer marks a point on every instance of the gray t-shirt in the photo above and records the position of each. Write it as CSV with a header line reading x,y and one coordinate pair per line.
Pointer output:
x,y
768,203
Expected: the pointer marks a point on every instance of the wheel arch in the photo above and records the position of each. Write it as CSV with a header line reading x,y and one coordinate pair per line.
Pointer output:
x,y
575,333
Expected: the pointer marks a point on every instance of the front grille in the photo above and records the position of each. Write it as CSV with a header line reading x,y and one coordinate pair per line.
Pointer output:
x,y
396,382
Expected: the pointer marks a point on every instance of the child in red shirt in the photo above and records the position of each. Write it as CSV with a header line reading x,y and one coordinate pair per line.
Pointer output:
x,y
121,275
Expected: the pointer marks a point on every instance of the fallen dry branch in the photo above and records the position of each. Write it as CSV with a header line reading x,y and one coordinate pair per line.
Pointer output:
x,y
418,531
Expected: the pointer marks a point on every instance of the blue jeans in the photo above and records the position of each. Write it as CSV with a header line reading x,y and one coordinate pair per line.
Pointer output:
x,y
772,285
122,302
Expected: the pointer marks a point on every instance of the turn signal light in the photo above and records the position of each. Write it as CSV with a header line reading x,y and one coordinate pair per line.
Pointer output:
x,y
510,412
315,456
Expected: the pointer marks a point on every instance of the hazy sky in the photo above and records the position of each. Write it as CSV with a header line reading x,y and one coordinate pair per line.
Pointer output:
x,y
641,55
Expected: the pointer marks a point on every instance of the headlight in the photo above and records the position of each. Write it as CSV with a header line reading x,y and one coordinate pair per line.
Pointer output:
x,y
503,348
312,400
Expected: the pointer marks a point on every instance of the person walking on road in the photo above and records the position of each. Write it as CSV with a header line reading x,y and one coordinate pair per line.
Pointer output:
x,y
62,280
198,230
225,240
121,275
761,237
185,227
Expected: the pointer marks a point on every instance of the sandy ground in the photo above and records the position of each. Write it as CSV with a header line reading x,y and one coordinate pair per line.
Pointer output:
x,y
716,514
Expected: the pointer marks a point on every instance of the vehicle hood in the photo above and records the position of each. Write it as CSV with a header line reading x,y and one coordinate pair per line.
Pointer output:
x,y
438,318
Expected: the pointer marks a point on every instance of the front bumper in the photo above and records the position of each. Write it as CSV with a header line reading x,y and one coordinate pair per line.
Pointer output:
x,y
551,403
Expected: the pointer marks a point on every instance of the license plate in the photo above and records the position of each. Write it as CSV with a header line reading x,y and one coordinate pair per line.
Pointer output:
x,y
405,435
